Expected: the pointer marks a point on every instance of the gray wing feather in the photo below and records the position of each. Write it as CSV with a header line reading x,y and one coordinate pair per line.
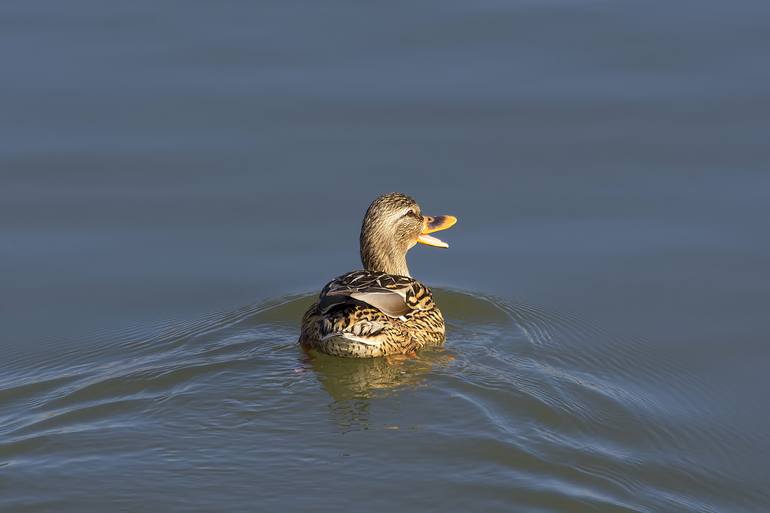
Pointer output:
x,y
367,287
389,302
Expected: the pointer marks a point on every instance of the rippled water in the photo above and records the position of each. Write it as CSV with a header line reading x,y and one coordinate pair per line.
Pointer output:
x,y
523,409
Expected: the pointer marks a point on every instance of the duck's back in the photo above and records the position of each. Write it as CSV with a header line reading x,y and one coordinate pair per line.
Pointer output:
x,y
368,313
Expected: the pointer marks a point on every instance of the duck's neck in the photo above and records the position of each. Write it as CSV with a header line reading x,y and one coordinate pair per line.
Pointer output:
x,y
378,254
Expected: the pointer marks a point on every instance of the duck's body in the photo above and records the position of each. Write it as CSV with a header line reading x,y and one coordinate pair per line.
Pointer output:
x,y
380,310
364,314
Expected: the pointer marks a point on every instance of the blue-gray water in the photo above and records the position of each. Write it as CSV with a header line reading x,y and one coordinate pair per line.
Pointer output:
x,y
176,178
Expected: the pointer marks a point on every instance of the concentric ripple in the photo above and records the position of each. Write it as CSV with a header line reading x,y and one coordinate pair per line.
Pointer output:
x,y
523,410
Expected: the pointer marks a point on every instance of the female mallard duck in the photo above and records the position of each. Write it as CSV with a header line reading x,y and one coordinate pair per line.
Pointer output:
x,y
381,310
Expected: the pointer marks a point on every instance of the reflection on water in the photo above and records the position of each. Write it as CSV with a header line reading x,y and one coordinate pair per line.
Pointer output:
x,y
351,383
349,378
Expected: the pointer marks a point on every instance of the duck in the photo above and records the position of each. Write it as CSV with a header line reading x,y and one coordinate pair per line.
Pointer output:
x,y
380,310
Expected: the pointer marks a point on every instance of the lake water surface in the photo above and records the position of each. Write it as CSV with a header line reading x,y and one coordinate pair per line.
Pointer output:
x,y
177,180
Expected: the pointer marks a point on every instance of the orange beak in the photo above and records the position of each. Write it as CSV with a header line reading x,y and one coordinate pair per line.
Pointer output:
x,y
435,224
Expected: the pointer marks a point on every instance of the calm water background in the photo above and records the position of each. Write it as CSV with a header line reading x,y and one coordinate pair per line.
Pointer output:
x,y
177,177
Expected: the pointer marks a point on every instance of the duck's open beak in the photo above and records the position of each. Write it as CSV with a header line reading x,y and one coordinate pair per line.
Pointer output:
x,y
435,224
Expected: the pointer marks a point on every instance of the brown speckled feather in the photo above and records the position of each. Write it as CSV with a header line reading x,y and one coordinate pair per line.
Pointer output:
x,y
369,313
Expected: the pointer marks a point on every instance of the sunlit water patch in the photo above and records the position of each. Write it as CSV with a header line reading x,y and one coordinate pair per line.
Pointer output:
x,y
522,410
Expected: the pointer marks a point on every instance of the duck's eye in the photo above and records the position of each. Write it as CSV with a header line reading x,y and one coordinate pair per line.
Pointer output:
x,y
411,212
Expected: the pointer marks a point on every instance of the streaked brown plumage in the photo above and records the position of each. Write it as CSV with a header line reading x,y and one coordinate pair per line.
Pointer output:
x,y
380,310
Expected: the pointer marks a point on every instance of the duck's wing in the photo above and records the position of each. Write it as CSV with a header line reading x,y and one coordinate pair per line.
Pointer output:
x,y
393,295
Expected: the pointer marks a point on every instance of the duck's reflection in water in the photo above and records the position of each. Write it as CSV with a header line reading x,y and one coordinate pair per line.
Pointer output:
x,y
352,383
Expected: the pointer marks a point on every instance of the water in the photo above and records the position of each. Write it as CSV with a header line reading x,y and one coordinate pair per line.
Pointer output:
x,y
229,412
176,180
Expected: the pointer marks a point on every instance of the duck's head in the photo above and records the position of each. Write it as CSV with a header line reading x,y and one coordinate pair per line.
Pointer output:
x,y
393,224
